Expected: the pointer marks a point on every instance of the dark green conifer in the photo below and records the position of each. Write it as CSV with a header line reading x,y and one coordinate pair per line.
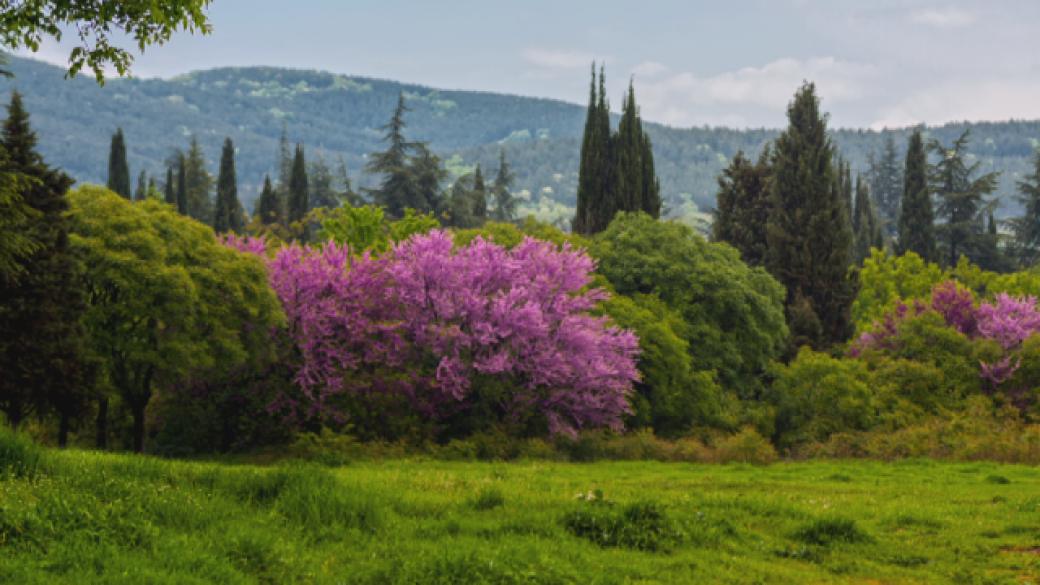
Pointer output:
x,y
917,215
595,174
141,193
170,189
744,204
1025,230
505,203
865,223
227,216
479,197
627,148
43,359
807,233
399,188
268,208
118,169
298,204
182,186
961,201
886,185
651,184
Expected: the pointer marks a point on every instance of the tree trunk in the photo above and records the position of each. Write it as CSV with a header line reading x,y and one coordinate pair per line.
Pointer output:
x,y
137,408
63,431
14,418
102,424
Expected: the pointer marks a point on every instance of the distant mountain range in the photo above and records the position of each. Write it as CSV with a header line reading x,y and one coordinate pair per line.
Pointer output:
x,y
337,115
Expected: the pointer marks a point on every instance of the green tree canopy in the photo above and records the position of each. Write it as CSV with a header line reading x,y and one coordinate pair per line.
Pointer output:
x,y
165,297
1026,229
743,206
917,213
962,202
228,214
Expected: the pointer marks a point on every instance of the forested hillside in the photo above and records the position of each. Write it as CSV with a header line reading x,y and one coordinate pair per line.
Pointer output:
x,y
340,115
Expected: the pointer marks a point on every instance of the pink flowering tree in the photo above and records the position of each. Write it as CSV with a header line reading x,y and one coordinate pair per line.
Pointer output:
x,y
425,320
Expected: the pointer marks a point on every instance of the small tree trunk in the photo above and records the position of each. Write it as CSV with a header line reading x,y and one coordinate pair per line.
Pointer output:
x,y
137,408
14,418
102,424
63,431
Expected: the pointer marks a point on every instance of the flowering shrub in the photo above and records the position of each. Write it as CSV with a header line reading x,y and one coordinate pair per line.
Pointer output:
x,y
425,320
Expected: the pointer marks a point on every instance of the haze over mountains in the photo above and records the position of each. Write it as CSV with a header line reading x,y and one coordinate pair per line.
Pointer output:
x,y
336,115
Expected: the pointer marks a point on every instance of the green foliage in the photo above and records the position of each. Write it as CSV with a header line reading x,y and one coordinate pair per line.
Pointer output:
x,y
743,207
1026,229
733,317
20,457
917,216
832,530
595,178
961,201
817,395
228,215
297,203
165,297
366,228
268,210
886,278
118,170
16,245
885,178
642,525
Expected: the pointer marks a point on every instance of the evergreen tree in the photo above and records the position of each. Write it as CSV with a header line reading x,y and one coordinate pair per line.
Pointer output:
x,y
744,204
917,215
298,203
267,207
320,180
595,184
991,257
118,169
227,216
651,184
886,185
505,203
429,172
182,185
170,189
627,148
198,183
456,206
141,193
807,233
864,223
346,193
43,359
1026,229
398,189
479,197
152,190
843,177
961,200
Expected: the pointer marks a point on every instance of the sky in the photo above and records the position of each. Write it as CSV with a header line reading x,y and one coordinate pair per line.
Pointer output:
x,y
735,63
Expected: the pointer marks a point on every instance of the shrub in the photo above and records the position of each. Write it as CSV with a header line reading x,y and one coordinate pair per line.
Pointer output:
x,y
747,446
19,456
488,498
642,525
828,531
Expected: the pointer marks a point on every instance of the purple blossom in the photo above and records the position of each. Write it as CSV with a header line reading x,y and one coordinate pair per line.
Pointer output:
x,y
1008,320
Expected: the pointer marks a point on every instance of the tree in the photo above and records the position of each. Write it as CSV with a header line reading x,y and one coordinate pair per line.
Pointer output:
x,y
182,184
429,173
165,298
479,197
141,192
886,185
321,181
297,203
346,193
27,22
456,204
268,208
627,150
505,203
398,189
733,315
651,184
170,188
227,216
1026,229
744,205
17,244
807,233
864,223
595,172
118,169
42,343
961,200
917,215
198,183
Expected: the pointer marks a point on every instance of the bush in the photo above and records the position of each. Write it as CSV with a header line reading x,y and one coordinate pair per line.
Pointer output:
x,y
747,446
642,525
19,456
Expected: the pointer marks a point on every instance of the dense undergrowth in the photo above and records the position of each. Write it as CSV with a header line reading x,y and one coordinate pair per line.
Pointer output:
x,y
86,517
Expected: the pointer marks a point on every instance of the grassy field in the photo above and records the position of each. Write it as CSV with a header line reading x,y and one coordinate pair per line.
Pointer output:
x,y
83,517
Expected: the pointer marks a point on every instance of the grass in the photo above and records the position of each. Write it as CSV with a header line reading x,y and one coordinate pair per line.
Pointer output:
x,y
85,517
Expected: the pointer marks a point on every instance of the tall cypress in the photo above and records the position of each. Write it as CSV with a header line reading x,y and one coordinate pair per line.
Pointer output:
x,y
198,183
627,147
226,215
743,206
141,193
864,223
182,186
917,215
595,174
42,341
505,203
297,204
807,231
118,169
479,197
651,184
268,208
170,189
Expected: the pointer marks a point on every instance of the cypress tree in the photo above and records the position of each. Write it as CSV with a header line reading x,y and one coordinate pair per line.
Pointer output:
x,y
595,175
170,189
268,208
864,223
182,185
42,341
505,203
1026,229
744,204
141,193
627,147
118,169
916,215
298,204
807,232
886,185
227,216
961,201
198,183
651,184
479,197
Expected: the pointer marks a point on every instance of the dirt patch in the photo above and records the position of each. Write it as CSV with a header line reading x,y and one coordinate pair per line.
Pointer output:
x,y
1019,550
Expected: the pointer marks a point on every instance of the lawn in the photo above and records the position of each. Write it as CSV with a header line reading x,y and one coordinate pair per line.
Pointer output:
x,y
84,517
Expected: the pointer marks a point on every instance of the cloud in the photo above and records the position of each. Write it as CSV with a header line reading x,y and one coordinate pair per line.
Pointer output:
x,y
650,70
956,101
674,99
555,63
945,18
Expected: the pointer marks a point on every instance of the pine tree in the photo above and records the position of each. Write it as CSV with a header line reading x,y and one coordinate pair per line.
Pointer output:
x,y
320,179
961,201
595,179
298,203
917,215
42,341
346,193
227,216
864,223
170,189
505,203
268,208
1026,229
141,193
886,185
182,185
744,204
118,169
991,257
198,183
398,189
479,197
428,172
807,232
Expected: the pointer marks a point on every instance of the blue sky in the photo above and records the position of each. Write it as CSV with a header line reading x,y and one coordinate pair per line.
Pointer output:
x,y
734,63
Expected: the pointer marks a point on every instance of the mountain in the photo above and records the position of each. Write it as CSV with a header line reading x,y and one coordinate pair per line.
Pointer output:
x,y
337,115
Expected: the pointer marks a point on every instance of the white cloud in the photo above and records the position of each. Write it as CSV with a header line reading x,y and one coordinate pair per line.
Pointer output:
x,y
674,99
561,62
944,18
955,101
650,70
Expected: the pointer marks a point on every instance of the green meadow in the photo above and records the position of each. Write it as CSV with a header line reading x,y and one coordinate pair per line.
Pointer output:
x,y
87,517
